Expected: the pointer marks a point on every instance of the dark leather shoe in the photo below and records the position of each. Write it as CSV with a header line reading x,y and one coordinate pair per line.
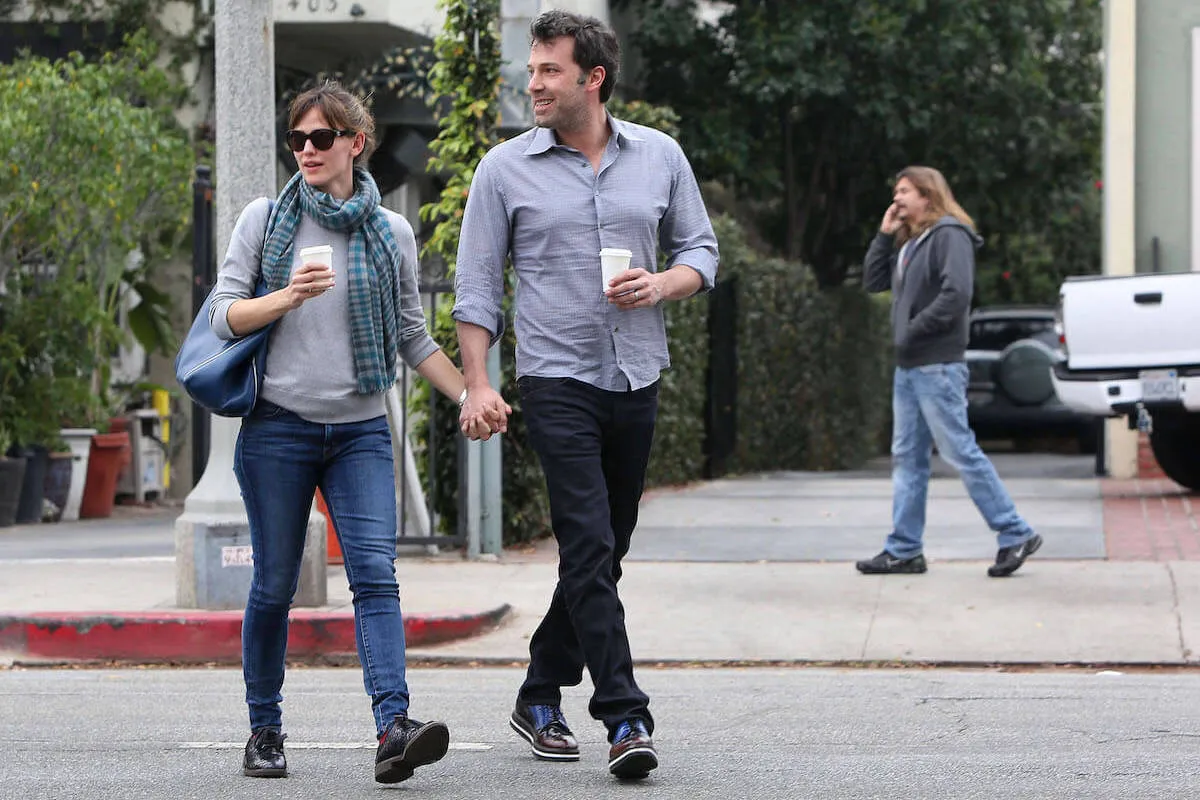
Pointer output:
x,y
544,727
887,564
408,744
1010,559
632,754
264,755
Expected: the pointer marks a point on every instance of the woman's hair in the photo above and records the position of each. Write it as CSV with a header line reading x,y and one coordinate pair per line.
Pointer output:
x,y
343,111
932,185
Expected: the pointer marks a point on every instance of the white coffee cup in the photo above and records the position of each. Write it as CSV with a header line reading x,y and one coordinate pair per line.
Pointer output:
x,y
613,261
321,254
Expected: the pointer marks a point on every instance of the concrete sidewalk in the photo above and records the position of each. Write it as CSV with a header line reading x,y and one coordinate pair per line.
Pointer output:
x,y
1050,612
759,569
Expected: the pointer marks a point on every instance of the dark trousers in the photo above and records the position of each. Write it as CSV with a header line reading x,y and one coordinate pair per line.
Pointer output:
x,y
593,446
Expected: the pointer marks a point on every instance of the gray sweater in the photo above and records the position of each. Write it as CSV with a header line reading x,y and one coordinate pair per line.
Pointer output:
x,y
310,360
931,295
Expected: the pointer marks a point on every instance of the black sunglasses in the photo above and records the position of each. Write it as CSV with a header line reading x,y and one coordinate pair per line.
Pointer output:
x,y
322,138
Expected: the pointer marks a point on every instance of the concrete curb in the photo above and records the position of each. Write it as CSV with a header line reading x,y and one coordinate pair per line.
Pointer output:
x,y
161,637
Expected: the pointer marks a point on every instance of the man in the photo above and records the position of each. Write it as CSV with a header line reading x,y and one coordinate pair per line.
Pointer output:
x,y
588,354
931,277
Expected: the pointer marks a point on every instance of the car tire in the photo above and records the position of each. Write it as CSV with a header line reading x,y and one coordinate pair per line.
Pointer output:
x,y
1023,372
1176,445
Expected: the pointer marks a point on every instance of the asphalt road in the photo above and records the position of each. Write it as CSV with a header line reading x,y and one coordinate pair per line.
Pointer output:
x,y
754,733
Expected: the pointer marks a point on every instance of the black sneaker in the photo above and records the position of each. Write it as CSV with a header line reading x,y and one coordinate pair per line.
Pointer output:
x,y
264,755
545,728
408,744
632,754
1010,559
887,564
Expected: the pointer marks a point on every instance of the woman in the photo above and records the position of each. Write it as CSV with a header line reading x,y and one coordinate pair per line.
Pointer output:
x,y
320,421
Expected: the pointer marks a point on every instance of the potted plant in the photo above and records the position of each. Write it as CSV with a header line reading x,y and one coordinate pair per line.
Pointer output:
x,y
90,237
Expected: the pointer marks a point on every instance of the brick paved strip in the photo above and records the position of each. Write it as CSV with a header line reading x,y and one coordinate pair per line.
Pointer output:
x,y
1150,520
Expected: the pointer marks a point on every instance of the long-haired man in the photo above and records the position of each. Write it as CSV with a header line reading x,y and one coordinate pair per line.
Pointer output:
x,y
925,254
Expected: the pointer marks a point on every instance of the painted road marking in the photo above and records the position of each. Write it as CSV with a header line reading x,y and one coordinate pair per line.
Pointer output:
x,y
476,747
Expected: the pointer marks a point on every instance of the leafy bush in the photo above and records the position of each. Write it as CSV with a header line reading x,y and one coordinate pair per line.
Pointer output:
x,y
94,170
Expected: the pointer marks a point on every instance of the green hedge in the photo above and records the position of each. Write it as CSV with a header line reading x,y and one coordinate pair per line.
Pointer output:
x,y
814,371
814,367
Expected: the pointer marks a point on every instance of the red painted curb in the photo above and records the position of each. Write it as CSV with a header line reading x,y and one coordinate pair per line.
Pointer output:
x,y
206,636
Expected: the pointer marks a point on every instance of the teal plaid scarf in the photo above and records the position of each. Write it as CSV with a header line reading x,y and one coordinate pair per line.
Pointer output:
x,y
373,257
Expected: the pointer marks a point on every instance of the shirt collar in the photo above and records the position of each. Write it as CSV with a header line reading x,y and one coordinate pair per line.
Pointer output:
x,y
545,138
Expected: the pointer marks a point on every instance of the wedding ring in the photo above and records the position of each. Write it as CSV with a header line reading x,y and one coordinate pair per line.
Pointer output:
x,y
637,295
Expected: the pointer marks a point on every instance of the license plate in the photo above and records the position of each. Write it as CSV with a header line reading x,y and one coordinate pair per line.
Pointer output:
x,y
1160,386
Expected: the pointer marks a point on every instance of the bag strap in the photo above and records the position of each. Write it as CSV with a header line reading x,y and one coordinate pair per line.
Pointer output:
x,y
259,288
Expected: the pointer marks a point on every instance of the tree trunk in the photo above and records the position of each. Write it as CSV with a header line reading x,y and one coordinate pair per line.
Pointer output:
x,y
793,230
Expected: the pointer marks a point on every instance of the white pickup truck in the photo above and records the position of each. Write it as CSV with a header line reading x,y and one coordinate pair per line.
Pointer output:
x,y
1133,350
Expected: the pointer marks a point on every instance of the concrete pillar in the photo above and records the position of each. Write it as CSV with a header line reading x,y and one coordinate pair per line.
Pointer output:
x,y
1120,157
212,553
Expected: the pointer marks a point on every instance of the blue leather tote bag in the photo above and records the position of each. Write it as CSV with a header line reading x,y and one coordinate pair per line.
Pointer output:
x,y
222,375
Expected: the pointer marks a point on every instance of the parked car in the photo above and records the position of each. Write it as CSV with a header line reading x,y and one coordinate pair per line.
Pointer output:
x,y
1133,350
1010,394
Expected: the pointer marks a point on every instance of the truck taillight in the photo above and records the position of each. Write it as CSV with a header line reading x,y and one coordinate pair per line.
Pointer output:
x,y
1060,329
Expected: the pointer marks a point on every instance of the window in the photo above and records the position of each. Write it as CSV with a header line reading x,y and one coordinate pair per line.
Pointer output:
x,y
997,334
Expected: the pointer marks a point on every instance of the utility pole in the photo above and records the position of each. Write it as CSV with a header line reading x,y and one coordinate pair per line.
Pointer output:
x,y
212,537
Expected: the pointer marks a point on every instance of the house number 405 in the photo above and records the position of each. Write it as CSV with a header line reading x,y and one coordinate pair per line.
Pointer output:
x,y
314,5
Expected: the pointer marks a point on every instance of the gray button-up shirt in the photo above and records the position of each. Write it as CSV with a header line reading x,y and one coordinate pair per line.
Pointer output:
x,y
542,203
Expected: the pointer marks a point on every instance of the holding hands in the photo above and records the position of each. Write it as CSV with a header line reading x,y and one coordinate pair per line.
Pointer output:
x,y
483,414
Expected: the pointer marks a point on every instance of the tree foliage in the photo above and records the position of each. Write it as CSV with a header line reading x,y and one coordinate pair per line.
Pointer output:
x,y
94,175
172,25
809,109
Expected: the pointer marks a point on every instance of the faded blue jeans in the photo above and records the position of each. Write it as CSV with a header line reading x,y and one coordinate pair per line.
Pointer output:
x,y
280,461
929,404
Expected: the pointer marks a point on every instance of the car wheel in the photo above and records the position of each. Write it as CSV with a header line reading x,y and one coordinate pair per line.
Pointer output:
x,y
1176,445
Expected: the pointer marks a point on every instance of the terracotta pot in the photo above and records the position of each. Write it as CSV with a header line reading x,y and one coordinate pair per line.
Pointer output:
x,y
109,455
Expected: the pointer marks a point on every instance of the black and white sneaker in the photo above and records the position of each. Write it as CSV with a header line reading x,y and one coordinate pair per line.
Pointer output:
x,y
1010,559
632,754
546,730
887,564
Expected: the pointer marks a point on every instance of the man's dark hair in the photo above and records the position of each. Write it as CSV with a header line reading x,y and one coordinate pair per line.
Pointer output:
x,y
595,43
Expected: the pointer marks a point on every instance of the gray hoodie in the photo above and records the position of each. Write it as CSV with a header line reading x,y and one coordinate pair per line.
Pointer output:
x,y
931,294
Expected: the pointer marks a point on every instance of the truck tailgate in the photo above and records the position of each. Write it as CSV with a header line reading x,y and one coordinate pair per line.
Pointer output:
x,y
1132,321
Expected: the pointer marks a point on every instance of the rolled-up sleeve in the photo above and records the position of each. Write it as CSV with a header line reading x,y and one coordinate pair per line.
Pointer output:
x,y
686,234
416,344
239,272
483,247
